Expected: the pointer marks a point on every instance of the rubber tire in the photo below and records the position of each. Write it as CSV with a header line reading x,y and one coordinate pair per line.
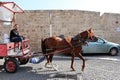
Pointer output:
x,y
15,62
23,61
115,50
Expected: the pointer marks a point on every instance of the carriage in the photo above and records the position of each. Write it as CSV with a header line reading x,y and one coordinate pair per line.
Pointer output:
x,y
49,46
12,59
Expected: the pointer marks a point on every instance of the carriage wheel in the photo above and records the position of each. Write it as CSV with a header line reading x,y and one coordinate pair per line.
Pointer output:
x,y
11,65
23,60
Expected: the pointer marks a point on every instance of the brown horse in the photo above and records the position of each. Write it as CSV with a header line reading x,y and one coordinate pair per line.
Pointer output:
x,y
54,44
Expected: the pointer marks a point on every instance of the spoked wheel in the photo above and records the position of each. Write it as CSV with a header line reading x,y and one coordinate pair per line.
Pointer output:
x,y
113,51
11,65
23,60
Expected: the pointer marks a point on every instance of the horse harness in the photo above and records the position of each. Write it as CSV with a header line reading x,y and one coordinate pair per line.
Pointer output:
x,y
72,42
76,42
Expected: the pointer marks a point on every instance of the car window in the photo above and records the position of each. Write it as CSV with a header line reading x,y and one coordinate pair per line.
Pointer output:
x,y
100,40
88,40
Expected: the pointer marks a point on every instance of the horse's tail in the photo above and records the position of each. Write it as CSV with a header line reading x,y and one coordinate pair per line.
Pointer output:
x,y
43,47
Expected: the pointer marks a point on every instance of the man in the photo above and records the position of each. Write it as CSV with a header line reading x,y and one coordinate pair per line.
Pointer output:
x,y
14,35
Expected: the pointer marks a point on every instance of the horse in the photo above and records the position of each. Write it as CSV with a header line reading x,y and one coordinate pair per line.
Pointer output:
x,y
72,45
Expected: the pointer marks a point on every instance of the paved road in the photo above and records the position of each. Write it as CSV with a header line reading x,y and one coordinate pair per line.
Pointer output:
x,y
98,67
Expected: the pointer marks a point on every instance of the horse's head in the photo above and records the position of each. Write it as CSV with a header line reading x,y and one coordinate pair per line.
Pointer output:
x,y
91,35
86,35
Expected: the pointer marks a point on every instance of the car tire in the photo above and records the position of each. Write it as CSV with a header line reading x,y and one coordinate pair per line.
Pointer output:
x,y
113,51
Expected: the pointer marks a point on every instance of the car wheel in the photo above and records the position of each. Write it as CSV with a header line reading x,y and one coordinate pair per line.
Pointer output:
x,y
113,51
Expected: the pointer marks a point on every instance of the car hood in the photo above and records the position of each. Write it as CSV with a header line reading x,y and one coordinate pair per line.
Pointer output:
x,y
111,43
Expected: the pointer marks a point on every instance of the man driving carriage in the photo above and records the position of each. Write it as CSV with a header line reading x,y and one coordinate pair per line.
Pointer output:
x,y
15,37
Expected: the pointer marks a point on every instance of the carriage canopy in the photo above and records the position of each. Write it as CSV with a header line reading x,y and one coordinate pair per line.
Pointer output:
x,y
8,11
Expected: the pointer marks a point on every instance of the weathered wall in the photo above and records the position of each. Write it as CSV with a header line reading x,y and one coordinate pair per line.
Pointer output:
x,y
110,24
36,25
67,22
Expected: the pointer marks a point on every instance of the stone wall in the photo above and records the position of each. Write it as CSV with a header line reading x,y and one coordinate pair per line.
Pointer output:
x,y
36,24
110,24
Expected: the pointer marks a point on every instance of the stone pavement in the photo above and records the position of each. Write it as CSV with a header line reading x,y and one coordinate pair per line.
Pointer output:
x,y
96,69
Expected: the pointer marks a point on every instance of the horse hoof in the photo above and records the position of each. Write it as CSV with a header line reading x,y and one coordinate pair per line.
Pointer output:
x,y
73,69
82,70
45,65
56,69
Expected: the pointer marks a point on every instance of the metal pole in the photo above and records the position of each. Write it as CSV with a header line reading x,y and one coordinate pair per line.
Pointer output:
x,y
50,15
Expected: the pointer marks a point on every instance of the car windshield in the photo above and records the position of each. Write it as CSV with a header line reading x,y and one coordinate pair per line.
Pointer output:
x,y
99,40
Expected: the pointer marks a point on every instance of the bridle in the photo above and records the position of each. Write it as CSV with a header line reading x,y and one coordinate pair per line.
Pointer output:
x,y
79,37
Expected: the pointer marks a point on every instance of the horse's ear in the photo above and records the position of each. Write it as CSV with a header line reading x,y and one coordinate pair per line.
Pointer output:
x,y
90,29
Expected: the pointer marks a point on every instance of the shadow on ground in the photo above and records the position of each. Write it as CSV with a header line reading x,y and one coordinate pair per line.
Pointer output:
x,y
28,73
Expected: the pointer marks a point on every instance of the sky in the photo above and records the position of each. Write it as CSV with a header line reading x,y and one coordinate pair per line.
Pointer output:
x,y
103,6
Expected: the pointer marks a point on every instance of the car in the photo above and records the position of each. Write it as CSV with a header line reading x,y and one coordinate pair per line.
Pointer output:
x,y
101,46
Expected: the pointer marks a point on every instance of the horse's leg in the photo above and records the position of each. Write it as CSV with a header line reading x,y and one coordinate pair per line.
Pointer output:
x,y
72,61
50,58
68,40
54,67
81,57
47,57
